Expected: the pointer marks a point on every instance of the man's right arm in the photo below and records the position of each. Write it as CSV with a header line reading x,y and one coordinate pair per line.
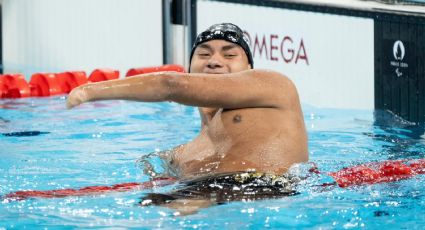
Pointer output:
x,y
148,88
246,89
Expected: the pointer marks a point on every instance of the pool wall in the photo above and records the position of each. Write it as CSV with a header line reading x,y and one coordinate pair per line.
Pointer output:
x,y
60,35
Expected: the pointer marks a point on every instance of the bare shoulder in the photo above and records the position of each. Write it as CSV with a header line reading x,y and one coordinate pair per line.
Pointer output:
x,y
272,78
280,85
271,75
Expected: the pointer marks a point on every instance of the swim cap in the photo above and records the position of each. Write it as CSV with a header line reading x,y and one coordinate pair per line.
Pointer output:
x,y
224,31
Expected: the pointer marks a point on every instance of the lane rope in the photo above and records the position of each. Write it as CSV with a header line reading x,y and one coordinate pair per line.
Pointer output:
x,y
369,173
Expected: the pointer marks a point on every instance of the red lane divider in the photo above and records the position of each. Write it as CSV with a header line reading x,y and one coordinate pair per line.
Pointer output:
x,y
379,172
370,173
89,190
70,80
50,84
45,84
164,68
14,86
103,75
3,87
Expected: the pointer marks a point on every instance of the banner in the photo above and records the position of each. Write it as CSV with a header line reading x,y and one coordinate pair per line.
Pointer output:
x,y
329,57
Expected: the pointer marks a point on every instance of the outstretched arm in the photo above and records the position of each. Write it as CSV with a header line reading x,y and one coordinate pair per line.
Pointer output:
x,y
251,88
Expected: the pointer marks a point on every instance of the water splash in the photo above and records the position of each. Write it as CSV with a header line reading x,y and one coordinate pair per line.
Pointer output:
x,y
163,159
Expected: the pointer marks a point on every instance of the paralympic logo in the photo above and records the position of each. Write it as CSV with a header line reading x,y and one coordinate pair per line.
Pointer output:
x,y
398,50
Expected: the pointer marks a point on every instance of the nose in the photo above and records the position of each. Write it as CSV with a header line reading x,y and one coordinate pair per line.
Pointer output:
x,y
214,62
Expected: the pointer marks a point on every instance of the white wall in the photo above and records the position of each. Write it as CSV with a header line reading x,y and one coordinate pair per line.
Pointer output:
x,y
335,67
61,35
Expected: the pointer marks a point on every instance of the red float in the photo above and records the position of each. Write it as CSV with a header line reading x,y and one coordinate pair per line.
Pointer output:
x,y
70,80
164,68
103,75
379,172
14,86
44,84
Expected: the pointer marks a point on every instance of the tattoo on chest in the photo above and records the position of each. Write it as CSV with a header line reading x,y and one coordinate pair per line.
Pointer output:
x,y
237,118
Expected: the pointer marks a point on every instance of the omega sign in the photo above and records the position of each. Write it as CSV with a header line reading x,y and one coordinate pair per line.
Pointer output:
x,y
278,48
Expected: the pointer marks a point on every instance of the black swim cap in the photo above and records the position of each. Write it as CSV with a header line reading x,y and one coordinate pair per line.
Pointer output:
x,y
224,31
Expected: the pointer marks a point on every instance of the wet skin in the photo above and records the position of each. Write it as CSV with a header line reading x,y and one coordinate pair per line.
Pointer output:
x,y
265,137
251,119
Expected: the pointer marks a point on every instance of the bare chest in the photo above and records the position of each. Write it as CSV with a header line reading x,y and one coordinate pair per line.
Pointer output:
x,y
227,132
240,125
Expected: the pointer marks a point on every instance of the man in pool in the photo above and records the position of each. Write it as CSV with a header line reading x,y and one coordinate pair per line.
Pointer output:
x,y
252,127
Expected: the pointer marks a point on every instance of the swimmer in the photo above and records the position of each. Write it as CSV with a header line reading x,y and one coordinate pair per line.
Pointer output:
x,y
251,120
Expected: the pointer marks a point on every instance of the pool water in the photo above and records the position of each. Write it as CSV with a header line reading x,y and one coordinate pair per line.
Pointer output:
x,y
43,146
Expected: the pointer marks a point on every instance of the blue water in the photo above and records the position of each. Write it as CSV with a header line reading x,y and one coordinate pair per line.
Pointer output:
x,y
99,143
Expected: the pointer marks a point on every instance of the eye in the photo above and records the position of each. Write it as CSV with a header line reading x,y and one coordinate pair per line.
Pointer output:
x,y
203,54
230,55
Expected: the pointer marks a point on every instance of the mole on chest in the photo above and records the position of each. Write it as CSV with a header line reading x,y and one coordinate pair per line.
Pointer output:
x,y
237,118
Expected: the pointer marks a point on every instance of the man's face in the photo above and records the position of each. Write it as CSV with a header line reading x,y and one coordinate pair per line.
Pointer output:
x,y
219,56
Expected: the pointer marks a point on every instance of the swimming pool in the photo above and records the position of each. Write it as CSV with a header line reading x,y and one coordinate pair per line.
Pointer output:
x,y
99,143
